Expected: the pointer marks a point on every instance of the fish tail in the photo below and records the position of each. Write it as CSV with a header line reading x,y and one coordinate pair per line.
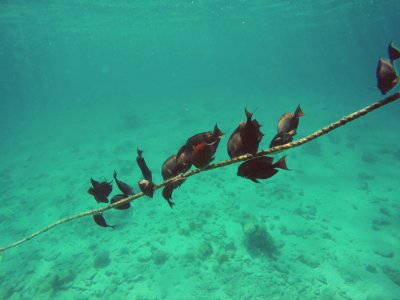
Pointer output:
x,y
248,114
112,226
115,175
281,164
394,53
298,112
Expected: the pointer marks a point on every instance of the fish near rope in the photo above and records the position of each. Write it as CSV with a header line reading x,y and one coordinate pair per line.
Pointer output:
x,y
386,76
117,198
201,148
100,190
125,188
246,138
99,219
171,168
287,127
146,185
261,168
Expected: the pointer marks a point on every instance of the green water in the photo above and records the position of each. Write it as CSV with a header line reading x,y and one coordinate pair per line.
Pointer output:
x,y
83,84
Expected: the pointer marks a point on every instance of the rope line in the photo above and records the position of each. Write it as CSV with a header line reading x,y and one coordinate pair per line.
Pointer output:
x,y
309,138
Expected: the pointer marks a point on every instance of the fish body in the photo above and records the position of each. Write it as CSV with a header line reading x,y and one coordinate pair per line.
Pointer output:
x,y
206,137
99,219
393,52
171,168
125,188
287,127
143,166
100,190
167,194
246,138
117,198
261,168
386,76
201,143
203,154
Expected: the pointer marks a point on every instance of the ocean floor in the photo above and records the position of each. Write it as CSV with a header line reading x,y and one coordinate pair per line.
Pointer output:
x,y
326,229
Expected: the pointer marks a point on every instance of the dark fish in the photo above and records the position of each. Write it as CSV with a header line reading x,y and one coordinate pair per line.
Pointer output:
x,y
143,166
203,154
171,168
100,190
147,187
261,168
394,53
125,188
246,138
117,198
287,127
386,75
206,137
167,194
99,219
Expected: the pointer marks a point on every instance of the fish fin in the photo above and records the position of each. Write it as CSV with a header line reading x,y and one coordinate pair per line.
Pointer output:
x,y
112,226
253,179
298,112
115,175
248,114
217,131
394,53
292,132
91,191
281,163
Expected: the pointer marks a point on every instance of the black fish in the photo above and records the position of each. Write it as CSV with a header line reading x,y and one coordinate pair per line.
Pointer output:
x,y
386,76
394,53
143,166
246,138
117,198
183,159
287,127
171,168
147,187
100,190
207,137
261,168
167,194
210,137
203,154
99,219
125,188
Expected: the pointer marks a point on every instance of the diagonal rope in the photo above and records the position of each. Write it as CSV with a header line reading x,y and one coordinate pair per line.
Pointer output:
x,y
221,164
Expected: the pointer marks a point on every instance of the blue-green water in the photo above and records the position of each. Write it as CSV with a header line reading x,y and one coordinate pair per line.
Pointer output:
x,y
84,83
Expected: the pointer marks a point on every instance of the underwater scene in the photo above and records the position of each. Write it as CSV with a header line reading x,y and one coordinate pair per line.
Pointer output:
x,y
102,100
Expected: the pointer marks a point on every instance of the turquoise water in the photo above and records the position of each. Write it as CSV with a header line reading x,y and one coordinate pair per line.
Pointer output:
x,y
85,83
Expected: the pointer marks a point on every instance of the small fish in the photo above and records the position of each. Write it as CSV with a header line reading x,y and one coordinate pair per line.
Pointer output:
x,y
183,159
147,187
203,154
386,76
261,168
143,166
207,137
394,53
171,168
100,190
167,194
246,138
125,188
287,127
117,198
99,219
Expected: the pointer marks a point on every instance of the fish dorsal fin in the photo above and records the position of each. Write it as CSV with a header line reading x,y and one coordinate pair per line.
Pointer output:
x,y
298,112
